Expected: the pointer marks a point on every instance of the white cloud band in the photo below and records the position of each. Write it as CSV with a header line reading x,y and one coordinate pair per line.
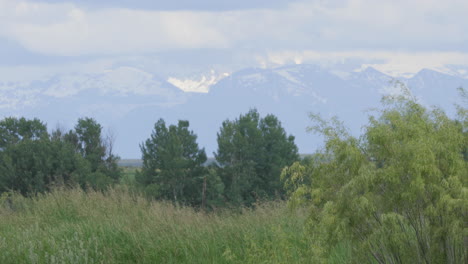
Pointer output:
x,y
65,29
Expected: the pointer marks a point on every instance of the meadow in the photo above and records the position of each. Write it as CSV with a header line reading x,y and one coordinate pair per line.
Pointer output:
x,y
117,226
396,194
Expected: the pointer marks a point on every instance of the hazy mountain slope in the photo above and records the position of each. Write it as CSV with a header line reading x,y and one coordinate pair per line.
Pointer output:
x,y
130,101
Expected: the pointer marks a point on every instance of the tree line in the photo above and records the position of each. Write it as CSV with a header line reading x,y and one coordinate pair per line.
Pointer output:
x,y
33,160
251,153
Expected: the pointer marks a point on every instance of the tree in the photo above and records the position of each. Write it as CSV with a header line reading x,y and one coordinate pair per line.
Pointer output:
x,y
172,164
237,155
279,151
397,195
88,141
251,153
14,130
110,159
32,162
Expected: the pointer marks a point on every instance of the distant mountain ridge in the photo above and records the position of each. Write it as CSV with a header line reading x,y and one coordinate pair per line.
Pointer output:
x,y
129,101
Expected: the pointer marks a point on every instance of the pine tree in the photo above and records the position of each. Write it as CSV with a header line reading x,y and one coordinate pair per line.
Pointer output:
x,y
251,154
173,164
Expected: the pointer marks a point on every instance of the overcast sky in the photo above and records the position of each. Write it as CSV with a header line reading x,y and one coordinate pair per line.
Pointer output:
x,y
404,34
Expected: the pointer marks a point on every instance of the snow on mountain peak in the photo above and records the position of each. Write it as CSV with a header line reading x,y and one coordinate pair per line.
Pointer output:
x,y
198,86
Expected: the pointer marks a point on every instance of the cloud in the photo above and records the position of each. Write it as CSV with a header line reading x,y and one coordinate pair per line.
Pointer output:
x,y
413,24
111,31
69,29
395,63
201,5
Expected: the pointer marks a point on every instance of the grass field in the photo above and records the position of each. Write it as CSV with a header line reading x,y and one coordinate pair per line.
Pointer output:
x,y
72,226
128,175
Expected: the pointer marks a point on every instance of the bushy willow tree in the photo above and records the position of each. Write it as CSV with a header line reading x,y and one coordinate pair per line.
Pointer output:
x,y
399,194
252,151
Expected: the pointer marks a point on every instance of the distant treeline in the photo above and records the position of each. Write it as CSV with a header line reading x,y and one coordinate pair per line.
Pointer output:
x,y
251,153
33,160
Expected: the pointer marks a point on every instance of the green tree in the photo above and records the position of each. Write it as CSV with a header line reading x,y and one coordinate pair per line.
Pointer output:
x,y
32,162
279,151
173,164
251,153
90,143
212,193
87,140
397,195
14,130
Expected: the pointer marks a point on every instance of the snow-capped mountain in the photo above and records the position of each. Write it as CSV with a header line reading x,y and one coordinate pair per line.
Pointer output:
x,y
120,82
130,101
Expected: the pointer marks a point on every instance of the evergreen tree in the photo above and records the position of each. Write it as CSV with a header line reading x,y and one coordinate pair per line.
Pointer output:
x,y
173,164
279,151
251,153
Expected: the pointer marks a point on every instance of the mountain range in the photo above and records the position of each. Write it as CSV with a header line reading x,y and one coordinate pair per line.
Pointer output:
x,y
128,101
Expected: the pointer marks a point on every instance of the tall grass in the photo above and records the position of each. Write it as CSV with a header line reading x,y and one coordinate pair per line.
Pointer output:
x,y
72,226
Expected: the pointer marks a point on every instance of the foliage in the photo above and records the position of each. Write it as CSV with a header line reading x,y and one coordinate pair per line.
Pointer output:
x,y
35,165
32,161
214,189
88,141
173,164
14,130
397,195
251,153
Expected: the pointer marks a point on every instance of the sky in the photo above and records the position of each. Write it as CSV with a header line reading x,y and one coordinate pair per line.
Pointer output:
x,y
39,37
194,44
